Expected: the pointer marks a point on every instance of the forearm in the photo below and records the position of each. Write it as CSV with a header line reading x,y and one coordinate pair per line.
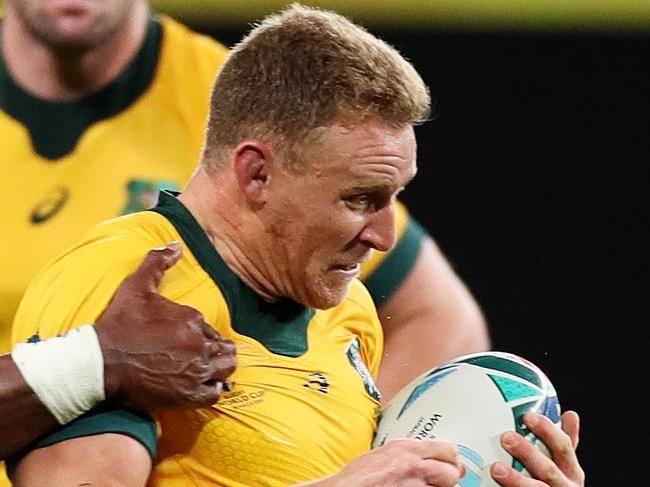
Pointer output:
x,y
113,460
430,319
418,347
23,418
442,331
48,383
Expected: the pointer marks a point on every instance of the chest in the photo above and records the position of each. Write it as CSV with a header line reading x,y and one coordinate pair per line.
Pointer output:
x,y
297,417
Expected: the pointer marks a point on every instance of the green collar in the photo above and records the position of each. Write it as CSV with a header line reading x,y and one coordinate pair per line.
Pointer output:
x,y
56,127
280,326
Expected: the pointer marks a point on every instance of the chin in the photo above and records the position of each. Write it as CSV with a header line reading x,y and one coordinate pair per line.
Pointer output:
x,y
75,32
326,297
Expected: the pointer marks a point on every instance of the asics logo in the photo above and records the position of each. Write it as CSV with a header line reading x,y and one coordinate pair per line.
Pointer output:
x,y
50,205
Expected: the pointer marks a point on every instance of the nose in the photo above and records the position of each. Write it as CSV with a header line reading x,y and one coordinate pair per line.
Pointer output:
x,y
379,233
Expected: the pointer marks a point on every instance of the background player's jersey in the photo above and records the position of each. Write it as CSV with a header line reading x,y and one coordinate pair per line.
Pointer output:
x,y
304,401
66,166
384,272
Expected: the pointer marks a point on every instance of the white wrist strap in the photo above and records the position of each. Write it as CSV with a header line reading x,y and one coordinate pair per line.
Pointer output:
x,y
66,372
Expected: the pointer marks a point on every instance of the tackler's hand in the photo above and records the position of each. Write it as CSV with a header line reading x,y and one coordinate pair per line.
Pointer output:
x,y
157,353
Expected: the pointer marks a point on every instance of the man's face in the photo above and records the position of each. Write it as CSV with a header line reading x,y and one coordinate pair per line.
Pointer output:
x,y
326,220
73,24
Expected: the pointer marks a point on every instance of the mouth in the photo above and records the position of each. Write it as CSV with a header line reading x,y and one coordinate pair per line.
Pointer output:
x,y
348,270
351,267
72,6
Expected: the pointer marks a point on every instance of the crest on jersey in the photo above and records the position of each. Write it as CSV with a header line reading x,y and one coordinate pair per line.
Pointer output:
x,y
142,194
354,356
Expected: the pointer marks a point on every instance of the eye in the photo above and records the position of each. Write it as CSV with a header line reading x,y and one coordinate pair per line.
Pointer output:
x,y
361,201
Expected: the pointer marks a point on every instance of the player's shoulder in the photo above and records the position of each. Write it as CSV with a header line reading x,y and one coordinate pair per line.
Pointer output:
x,y
142,225
191,47
359,296
111,244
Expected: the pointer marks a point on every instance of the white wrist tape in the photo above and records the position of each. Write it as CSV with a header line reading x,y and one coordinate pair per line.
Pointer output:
x,y
66,373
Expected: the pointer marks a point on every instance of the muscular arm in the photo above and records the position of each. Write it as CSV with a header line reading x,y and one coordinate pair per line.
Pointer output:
x,y
431,318
23,417
108,459
122,462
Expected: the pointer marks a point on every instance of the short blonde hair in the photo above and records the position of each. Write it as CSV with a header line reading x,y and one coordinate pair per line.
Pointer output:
x,y
306,68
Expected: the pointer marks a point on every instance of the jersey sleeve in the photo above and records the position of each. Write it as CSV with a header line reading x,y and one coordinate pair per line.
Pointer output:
x,y
103,419
384,273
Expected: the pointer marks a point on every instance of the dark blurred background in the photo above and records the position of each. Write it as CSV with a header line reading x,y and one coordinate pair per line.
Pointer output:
x,y
533,181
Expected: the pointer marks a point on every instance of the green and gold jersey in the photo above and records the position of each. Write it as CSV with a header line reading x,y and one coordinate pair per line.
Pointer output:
x,y
303,402
66,166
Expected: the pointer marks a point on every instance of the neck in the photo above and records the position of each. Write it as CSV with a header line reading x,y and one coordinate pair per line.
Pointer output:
x,y
71,74
215,207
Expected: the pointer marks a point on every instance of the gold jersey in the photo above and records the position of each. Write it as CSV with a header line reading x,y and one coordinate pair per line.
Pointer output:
x,y
67,166
304,401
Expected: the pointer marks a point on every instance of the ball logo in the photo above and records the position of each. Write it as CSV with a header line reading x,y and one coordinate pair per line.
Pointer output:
x,y
424,387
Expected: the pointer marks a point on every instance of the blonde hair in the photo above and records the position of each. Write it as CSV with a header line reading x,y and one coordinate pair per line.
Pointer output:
x,y
303,69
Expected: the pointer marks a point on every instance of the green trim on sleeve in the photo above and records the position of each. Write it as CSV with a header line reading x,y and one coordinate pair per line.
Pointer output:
x,y
105,419
390,274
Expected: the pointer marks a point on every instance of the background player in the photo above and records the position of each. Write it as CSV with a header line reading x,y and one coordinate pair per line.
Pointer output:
x,y
93,123
288,219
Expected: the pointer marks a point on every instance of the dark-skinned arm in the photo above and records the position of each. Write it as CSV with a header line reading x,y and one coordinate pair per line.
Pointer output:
x,y
157,354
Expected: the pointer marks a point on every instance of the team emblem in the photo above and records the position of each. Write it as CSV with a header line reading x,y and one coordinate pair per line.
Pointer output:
x,y
354,356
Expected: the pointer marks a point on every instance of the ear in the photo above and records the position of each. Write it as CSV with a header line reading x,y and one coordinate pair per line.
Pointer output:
x,y
253,162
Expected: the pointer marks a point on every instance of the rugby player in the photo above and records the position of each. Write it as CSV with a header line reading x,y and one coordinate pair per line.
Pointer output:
x,y
102,104
310,138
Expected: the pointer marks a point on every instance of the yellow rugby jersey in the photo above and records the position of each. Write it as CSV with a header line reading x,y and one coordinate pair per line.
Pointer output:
x,y
67,166
303,403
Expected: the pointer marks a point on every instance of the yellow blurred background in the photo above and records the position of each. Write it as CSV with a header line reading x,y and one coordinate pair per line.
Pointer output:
x,y
482,14
553,15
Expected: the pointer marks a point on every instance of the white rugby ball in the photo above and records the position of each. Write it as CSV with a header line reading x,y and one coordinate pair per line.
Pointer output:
x,y
471,401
